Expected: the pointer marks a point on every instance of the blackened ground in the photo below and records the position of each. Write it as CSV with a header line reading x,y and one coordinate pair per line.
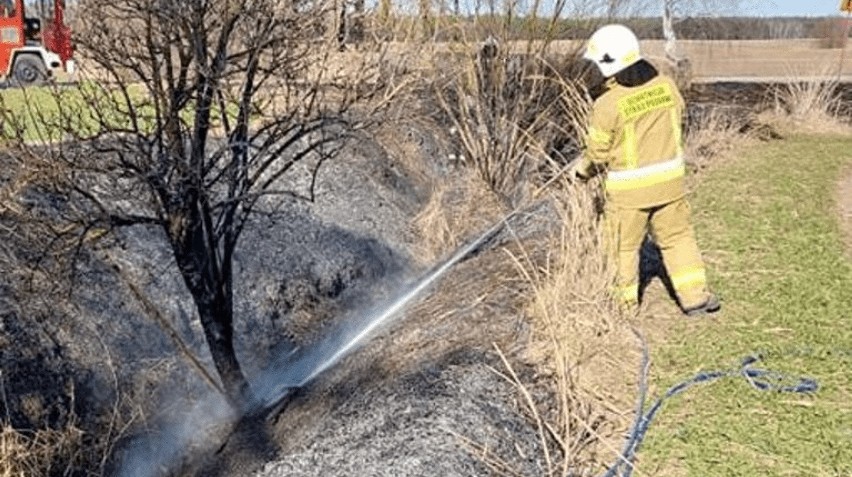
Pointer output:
x,y
34,378
755,96
424,423
299,268
298,265
403,403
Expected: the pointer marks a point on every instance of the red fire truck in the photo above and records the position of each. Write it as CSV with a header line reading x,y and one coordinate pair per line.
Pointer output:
x,y
34,48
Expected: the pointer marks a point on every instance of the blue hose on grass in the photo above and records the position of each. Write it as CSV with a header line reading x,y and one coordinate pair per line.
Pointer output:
x,y
758,378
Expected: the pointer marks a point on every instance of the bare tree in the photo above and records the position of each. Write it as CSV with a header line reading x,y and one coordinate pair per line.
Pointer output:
x,y
676,10
195,114
671,13
781,29
669,32
614,9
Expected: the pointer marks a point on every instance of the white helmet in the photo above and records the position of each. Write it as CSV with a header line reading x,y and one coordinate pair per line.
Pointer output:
x,y
613,48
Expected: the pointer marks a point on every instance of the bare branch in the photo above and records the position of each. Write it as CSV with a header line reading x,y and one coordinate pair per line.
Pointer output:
x,y
189,113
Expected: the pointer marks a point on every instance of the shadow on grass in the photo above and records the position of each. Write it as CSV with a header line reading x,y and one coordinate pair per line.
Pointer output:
x,y
651,266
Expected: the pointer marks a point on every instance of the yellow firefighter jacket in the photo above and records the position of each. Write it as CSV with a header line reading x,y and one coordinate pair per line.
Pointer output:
x,y
635,135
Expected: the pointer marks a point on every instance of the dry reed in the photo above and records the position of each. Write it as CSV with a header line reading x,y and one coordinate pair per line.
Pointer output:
x,y
713,134
809,104
581,342
39,453
457,209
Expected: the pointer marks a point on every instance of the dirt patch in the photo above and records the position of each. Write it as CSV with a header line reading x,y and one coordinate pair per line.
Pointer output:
x,y
844,204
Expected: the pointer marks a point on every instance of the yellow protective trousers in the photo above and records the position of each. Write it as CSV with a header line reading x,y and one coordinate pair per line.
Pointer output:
x,y
671,230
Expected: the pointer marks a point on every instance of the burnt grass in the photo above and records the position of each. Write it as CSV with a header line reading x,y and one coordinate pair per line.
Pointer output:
x,y
755,96
90,358
404,405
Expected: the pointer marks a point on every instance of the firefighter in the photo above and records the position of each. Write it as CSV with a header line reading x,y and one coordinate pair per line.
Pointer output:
x,y
635,139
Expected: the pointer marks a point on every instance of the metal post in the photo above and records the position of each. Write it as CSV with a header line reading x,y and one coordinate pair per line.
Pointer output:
x,y
846,23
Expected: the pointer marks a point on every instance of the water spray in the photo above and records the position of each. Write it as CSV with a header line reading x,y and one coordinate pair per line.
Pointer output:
x,y
298,369
196,428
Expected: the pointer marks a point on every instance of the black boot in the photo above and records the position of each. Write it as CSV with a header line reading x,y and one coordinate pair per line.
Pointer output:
x,y
712,305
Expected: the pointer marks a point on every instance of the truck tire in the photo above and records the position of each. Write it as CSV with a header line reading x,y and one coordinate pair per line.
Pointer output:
x,y
28,70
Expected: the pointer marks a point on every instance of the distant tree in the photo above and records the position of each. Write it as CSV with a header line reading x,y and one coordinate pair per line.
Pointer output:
x,y
781,28
671,12
669,31
192,114
674,11
615,9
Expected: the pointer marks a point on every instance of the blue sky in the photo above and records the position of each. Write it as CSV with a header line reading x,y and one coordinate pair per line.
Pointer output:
x,y
794,8
763,8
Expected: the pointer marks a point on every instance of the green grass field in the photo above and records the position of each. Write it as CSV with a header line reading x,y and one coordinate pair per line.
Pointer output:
x,y
48,114
768,225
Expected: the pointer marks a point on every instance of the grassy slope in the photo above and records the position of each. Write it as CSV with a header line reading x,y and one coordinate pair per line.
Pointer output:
x,y
769,231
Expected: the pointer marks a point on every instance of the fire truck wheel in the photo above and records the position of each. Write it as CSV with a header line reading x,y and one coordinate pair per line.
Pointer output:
x,y
28,71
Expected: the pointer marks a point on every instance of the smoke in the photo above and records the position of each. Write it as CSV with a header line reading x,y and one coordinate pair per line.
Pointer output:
x,y
199,429
206,423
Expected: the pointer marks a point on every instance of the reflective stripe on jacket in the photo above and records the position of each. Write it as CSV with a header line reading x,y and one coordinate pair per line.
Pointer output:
x,y
635,134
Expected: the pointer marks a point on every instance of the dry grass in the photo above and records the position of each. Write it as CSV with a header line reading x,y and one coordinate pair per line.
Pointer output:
x,y
39,453
573,285
714,133
57,441
808,105
581,344
502,99
458,208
